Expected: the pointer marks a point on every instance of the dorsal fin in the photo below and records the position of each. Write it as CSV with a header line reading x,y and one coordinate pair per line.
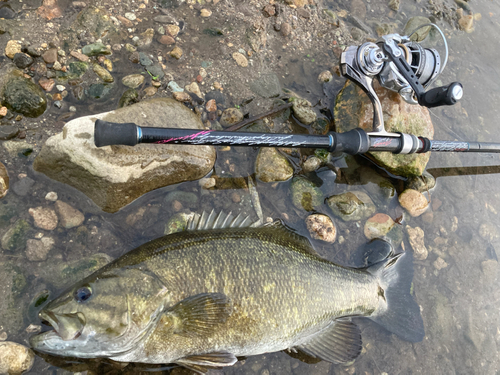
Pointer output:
x,y
219,221
278,225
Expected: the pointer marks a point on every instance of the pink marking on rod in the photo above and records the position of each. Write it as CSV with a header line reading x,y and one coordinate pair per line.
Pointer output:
x,y
191,136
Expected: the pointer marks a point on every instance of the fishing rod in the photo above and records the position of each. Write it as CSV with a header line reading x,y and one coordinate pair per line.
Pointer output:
x,y
397,62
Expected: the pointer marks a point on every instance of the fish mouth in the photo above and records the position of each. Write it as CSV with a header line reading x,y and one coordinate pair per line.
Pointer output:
x,y
67,326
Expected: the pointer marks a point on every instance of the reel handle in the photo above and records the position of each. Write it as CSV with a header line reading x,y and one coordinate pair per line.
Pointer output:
x,y
444,95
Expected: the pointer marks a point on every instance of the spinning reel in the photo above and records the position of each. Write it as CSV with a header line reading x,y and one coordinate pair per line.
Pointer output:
x,y
400,65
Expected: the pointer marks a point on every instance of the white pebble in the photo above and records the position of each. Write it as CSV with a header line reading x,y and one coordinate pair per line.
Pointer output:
x,y
130,16
51,196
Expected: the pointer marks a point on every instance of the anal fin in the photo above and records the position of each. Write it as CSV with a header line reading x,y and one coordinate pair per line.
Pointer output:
x,y
339,343
202,362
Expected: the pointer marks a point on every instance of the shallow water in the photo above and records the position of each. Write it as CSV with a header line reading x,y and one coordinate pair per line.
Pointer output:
x,y
459,303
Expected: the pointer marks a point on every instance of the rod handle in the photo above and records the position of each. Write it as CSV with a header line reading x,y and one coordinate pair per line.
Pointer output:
x,y
112,133
444,95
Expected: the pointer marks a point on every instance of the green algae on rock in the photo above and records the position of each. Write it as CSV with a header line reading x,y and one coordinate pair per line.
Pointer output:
x,y
305,194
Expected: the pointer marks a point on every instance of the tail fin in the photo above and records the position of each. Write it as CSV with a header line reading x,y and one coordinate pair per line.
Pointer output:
x,y
399,313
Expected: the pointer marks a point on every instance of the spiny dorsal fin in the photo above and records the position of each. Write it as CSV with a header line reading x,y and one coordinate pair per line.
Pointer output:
x,y
339,343
200,314
220,221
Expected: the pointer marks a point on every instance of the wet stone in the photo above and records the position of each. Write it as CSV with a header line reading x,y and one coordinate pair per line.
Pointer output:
x,y
15,238
22,60
176,53
422,183
240,59
321,227
378,226
414,202
230,117
103,73
69,217
216,95
46,83
351,206
12,48
311,164
416,239
305,194
144,59
98,90
6,12
23,186
37,250
44,217
129,97
8,132
77,69
23,96
133,81
156,72
267,86
95,49
166,39
4,181
302,109
15,358
413,24
50,56
271,166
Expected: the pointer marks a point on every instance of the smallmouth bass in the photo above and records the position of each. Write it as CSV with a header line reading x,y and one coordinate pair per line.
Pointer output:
x,y
203,298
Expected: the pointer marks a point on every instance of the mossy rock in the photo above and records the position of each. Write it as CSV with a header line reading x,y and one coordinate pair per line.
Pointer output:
x,y
305,194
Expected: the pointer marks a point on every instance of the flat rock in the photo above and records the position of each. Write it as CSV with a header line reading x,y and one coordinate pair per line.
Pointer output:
x,y
69,216
114,176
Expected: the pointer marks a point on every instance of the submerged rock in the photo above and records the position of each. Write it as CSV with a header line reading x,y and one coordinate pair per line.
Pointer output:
x,y
414,202
321,227
271,166
16,236
20,94
416,239
351,206
12,286
69,217
305,194
353,109
4,181
114,176
15,358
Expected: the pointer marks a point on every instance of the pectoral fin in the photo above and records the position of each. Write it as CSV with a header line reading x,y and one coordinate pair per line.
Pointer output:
x,y
339,343
201,363
200,314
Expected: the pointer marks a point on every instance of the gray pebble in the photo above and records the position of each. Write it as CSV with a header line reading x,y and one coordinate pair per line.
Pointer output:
x,y
23,186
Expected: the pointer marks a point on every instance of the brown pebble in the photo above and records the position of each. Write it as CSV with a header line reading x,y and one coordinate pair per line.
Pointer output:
x,y
211,105
182,96
199,78
286,29
166,39
22,134
57,96
236,197
50,56
126,22
177,206
46,83
79,56
269,10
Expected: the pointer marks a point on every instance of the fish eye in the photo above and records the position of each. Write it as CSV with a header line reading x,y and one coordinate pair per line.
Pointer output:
x,y
83,294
